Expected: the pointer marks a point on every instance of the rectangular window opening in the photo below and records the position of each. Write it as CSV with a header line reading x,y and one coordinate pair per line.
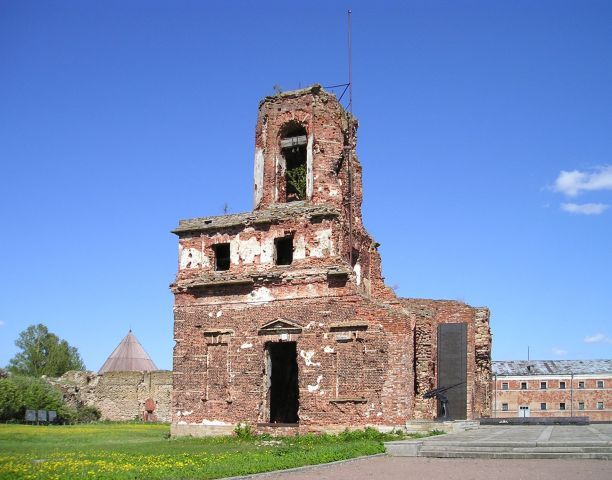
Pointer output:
x,y
504,407
543,406
523,385
600,384
562,385
283,249
580,405
562,406
581,385
543,385
600,406
222,256
504,385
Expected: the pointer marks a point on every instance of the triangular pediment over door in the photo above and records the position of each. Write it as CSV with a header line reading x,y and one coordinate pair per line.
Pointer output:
x,y
278,326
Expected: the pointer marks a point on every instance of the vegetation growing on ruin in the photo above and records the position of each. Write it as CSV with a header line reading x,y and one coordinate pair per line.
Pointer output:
x,y
296,180
125,451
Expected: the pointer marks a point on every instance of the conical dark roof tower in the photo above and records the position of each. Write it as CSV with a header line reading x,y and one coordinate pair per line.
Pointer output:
x,y
129,356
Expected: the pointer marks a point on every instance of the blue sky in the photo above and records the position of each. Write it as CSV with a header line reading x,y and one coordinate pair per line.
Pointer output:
x,y
485,137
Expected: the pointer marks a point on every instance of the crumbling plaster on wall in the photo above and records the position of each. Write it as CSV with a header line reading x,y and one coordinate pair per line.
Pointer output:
x,y
324,120
244,250
360,349
318,365
260,295
323,245
192,258
309,167
256,246
259,177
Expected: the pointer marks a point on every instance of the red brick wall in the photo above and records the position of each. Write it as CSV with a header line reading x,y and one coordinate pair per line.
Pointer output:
x,y
329,125
553,396
431,313
363,381
333,134
355,339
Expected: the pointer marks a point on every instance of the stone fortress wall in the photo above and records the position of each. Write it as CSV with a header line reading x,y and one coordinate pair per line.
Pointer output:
x,y
120,395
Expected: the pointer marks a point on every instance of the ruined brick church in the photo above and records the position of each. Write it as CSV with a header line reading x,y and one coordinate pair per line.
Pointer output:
x,y
282,319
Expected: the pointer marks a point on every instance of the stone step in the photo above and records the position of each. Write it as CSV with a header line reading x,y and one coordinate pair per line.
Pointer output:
x,y
499,450
452,444
423,426
516,455
542,449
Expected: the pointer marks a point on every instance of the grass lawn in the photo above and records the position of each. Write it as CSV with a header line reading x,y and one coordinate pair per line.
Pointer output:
x,y
144,451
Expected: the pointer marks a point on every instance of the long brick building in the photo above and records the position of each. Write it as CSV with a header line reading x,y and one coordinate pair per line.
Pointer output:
x,y
282,317
553,388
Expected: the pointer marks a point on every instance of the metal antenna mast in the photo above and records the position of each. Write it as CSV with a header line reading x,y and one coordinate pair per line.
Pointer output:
x,y
350,63
350,138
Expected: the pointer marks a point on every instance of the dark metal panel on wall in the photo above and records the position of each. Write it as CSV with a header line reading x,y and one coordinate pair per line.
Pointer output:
x,y
452,367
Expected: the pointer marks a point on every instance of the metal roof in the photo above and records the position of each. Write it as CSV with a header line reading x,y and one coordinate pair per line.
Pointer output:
x,y
129,356
275,213
551,367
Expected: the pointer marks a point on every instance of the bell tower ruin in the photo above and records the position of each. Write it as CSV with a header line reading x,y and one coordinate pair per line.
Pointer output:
x,y
282,317
302,140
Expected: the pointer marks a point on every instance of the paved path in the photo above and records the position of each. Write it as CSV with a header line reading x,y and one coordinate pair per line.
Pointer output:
x,y
403,468
417,468
494,434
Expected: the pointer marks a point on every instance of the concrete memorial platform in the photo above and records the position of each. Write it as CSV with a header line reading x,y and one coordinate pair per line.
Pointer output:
x,y
513,441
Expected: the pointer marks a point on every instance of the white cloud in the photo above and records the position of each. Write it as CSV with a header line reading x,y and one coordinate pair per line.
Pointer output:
x,y
597,338
575,182
559,352
585,208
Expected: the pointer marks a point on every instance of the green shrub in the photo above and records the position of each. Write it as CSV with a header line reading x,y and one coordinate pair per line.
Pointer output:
x,y
369,434
18,394
67,414
10,400
244,431
88,414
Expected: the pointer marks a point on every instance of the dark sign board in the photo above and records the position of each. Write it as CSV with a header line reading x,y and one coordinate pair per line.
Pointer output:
x,y
452,366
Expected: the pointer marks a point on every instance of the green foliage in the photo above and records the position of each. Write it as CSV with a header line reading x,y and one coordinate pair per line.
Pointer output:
x,y
296,178
10,400
244,431
18,393
84,414
368,433
128,451
43,353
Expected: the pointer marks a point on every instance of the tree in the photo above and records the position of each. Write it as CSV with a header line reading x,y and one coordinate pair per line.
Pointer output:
x,y
43,353
19,393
